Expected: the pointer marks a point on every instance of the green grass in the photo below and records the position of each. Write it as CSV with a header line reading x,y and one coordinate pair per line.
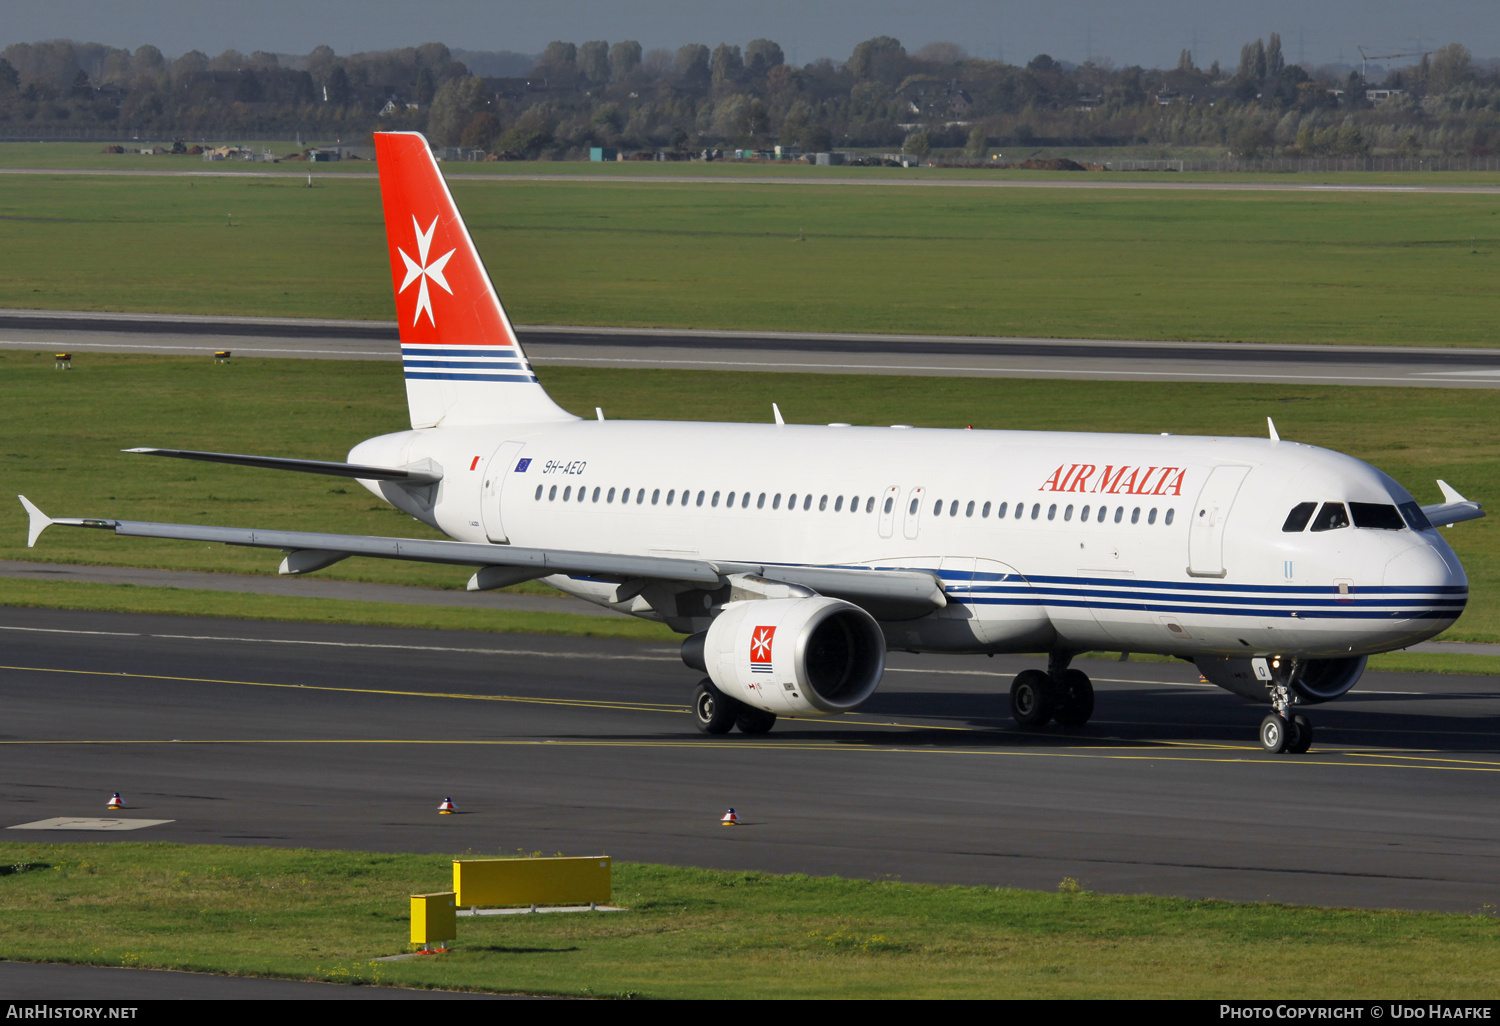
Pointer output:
x,y
693,933
130,598
63,430
1253,266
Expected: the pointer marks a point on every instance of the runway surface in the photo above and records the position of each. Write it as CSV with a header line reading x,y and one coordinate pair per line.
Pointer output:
x,y
552,345
284,734
921,178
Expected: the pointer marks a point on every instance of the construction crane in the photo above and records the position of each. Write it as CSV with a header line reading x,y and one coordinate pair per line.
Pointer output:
x,y
1365,58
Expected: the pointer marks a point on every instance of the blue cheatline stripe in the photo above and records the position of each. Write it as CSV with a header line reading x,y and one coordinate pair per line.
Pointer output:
x,y
468,364
475,351
1312,614
1210,601
435,376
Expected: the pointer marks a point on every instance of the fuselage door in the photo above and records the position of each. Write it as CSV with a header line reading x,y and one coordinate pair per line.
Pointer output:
x,y
888,503
913,512
495,474
1209,517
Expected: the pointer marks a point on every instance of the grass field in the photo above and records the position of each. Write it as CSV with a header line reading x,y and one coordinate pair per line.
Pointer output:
x,y
1255,266
63,430
691,933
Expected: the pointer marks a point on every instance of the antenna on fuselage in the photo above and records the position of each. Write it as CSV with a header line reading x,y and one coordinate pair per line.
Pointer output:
x,y
777,411
599,412
1272,425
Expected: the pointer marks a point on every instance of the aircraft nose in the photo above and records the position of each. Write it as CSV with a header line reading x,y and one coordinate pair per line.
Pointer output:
x,y
1425,566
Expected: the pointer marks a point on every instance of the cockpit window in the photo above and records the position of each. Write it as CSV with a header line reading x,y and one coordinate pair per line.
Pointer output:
x,y
1331,517
1297,519
1415,518
1377,515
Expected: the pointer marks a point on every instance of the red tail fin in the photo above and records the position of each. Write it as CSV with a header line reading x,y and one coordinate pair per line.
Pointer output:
x,y
463,362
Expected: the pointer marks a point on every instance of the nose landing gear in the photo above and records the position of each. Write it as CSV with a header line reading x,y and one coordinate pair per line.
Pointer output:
x,y
1038,697
1282,731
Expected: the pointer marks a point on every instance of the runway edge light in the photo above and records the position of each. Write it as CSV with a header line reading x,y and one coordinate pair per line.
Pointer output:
x,y
729,818
115,801
446,808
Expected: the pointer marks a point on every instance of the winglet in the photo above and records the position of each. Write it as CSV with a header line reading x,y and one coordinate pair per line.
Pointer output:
x,y
39,521
776,410
1272,425
1450,494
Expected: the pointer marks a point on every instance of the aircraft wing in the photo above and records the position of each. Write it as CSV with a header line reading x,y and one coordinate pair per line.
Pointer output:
x,y
1454,509
905,593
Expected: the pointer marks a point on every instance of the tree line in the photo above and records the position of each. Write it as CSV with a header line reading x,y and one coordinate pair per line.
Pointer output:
x,y
597,93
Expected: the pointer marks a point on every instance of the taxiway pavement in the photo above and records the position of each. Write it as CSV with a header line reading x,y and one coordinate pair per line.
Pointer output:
x,y
285,734
934,355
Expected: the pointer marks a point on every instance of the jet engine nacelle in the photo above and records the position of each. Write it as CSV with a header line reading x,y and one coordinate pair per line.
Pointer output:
x,y
1321,680
801,656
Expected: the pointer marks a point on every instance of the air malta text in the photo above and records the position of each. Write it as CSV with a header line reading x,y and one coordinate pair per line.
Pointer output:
x,y
1122,480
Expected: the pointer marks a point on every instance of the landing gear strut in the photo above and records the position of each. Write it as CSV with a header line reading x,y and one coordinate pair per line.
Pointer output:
x,y
1037,697
1282,731
716,713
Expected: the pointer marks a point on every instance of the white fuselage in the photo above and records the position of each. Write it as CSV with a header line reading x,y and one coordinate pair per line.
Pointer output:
x,y
1144,543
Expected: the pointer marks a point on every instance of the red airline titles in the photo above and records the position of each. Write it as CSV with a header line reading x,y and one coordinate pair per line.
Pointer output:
x,y
1122,480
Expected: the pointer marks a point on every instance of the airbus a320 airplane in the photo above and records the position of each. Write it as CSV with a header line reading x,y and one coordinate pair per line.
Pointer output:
x,y
793,556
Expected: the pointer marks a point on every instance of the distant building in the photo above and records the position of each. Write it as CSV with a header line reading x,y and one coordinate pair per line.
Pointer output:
x,y
603,153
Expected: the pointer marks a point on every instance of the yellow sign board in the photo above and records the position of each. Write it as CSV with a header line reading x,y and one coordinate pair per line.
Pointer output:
x,y
433,918
559,881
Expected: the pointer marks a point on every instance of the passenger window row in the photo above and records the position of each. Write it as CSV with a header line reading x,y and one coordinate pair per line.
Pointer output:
x,y
712,500
1374,515
1099,514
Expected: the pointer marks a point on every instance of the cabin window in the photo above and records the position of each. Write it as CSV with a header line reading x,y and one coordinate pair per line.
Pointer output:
x,y
937,509
1068,513
1000,513
610,497
822,503
583,493
552,494
1083,517
969,509
888,503
656,494
1021,508
1297,519
986,511
539,492
1119,513
838,504
1170,514
1135,515
1036,510
714,502
776,502
913,508
1415,518
870,505
1376,515
567,493
760,503
1052,512
700,497
1331,517
807,501
671,494
1151,517
745,502
1103,512
640,497
791,501
729,502
596,494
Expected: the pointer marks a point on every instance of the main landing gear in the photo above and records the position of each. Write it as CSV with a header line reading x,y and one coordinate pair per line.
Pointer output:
x,y
1037,697
716,713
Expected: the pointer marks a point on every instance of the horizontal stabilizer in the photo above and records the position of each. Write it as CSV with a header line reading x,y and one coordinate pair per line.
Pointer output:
x,y
412,477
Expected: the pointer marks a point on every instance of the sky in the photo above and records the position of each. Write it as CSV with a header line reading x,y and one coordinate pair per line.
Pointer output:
x,y
1145,32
